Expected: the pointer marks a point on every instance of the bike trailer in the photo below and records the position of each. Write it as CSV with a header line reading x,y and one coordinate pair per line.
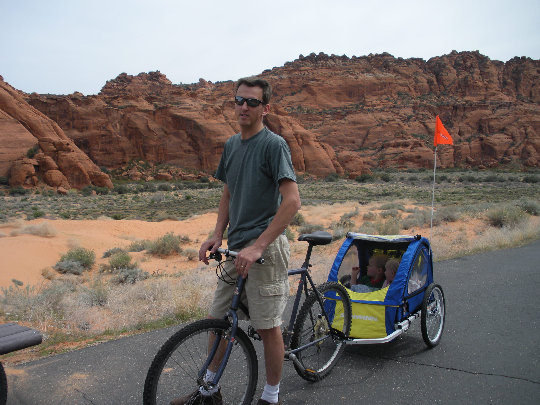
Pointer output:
x,y
381,315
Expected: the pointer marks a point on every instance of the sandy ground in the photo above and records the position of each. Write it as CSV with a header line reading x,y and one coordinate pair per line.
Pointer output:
x,y
25,257
28,257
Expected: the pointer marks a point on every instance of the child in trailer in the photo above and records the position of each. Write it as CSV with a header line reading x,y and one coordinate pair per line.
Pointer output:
x,y
374,279
390,271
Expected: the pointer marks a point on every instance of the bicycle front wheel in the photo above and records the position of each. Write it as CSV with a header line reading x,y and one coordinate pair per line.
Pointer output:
x,y
176,369
328,332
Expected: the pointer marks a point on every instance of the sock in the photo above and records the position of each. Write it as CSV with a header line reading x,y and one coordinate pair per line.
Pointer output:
x,y
209,377
270,393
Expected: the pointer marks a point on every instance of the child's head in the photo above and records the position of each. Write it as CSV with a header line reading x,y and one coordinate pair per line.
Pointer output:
x,y
375,268
391,269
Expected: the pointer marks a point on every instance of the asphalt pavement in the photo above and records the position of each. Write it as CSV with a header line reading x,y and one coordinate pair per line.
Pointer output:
x,y
489,352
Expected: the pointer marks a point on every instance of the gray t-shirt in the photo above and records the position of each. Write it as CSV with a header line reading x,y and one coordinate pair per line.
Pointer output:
x,y
252,169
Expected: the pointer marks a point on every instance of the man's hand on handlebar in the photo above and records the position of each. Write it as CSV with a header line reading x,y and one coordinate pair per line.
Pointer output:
x,y
246,257
211,245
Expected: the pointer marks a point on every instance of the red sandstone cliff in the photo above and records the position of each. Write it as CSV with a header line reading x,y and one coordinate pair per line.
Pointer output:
x,y
338,114
57,161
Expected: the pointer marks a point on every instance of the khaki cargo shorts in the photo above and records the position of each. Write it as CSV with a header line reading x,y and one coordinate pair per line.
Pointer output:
x,y
266,290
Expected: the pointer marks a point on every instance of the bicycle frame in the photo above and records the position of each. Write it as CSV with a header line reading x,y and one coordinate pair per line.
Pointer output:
x,y
236,304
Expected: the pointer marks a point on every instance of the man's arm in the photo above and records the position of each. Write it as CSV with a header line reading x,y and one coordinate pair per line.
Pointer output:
x,y
290,204
221,224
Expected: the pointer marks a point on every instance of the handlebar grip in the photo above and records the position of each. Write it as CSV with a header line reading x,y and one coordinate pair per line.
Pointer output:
x,y
232,253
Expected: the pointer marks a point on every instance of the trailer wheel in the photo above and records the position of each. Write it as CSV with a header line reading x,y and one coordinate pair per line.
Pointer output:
x,y
433,313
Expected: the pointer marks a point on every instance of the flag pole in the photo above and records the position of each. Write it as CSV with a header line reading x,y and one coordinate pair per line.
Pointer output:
x,y
433,192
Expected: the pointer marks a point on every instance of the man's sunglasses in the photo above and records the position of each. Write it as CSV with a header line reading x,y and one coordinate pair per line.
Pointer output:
x,y
251,102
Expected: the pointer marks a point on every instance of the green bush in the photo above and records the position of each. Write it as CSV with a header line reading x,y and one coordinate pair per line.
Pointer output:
x,y
332,177
4,181
531,207
112,251
507,215
18,190
138,246
69,267
363,178
298,220
530,179
129,276
84,257
166,245
120,260
30,153
389,227
309,228
191,254
289,234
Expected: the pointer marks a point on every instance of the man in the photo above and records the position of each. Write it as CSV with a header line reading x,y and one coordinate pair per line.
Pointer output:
x,y
259,199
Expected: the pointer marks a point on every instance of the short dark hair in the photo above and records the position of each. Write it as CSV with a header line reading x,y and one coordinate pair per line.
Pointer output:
x,y
256,82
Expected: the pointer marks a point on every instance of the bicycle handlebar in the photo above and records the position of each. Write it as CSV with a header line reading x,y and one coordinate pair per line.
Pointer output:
x,y
229,253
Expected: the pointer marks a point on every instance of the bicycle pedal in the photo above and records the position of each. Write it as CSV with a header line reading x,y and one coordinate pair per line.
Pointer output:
x,y
252,333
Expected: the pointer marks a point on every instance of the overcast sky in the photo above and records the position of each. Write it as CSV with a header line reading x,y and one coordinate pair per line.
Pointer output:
x,y
62,46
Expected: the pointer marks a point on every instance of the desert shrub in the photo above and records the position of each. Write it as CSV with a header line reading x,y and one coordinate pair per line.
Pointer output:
x,y
530,179
389,227
164,187
96,294
418,218
166,245
491,178
363,178
18,190
129,276
37,213
120,260
30,153
289,234
506,215
392,206
368,227
448,214
110,252
138,246
386,177
84,257
392,213
44,230
69,267
531,207
369,216
339,233
298,219
191,254
4,181
121,189
332,177
309,228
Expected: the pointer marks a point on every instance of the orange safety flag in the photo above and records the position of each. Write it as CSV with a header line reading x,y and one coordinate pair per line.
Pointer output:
x,y
442,137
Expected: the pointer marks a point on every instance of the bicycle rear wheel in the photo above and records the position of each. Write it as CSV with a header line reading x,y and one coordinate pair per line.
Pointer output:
x,y
174,373
311,325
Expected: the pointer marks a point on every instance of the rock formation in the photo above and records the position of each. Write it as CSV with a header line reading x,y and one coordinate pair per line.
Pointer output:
x,y
55,158
338,114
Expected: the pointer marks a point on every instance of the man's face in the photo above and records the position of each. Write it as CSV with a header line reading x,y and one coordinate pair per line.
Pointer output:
x,y
250,116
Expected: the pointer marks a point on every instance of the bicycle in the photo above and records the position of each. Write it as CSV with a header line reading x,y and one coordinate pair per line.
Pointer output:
x,y
311,341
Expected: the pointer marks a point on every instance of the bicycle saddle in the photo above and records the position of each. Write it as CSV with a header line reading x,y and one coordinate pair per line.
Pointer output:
x,y
316,238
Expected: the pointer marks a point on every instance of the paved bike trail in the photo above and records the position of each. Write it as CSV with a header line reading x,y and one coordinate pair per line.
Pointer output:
x,y
489,352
